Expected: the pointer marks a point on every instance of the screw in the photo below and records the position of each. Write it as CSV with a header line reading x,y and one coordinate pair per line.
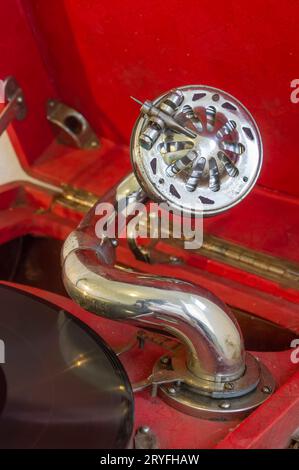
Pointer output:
x,y
171,390
165,360
266,389
114,242
174,260
144,429
225,405
229,386
20,99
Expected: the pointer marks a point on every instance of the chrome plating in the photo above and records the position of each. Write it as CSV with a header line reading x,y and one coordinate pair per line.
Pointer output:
x,y
221,124
212,369
193,315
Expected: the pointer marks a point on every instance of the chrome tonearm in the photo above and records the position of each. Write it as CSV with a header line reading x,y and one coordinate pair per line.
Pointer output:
x,y
211,375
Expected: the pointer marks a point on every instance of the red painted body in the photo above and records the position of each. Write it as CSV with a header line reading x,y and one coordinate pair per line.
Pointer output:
x,y
92,55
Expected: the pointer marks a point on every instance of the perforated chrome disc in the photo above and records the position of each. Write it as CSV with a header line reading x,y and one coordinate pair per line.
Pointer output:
x,y
226,161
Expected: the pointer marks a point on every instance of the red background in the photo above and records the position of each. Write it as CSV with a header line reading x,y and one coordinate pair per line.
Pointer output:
x,y
98,53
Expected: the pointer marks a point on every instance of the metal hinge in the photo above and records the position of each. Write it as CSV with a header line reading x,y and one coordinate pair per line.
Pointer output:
x,y
266,266
76,199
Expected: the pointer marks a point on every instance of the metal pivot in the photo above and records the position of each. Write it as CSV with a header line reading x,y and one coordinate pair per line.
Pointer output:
x,y
15,104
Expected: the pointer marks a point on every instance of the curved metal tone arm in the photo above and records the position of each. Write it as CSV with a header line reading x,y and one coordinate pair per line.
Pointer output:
x,y
193,315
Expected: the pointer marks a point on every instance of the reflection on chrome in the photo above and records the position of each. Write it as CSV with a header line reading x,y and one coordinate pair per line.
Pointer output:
x,y
193,315
194,182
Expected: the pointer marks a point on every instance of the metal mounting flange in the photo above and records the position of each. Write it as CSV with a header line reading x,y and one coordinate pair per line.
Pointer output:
x,y
215,400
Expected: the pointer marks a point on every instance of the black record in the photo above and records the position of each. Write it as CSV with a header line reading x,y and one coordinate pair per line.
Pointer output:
x,y
61,386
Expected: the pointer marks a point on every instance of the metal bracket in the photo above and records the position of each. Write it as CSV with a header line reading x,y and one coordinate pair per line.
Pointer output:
x,y
12,172
73,128
15,107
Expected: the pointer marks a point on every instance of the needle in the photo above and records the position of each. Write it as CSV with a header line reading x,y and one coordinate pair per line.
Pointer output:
x,y
137,101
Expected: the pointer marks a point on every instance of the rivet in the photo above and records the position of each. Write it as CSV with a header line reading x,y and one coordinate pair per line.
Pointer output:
x,y
165,360
266,389
144,429
114,242
171,390
225,405
174,260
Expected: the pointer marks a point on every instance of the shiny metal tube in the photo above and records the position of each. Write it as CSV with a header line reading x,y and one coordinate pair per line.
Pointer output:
x,y
194,316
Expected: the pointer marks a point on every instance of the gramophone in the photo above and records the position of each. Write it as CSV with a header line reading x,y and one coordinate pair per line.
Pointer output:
x,y
163,342
149,240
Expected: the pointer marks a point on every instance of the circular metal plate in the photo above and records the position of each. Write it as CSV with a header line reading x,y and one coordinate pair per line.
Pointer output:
x,y
228,153
186,400
241,386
